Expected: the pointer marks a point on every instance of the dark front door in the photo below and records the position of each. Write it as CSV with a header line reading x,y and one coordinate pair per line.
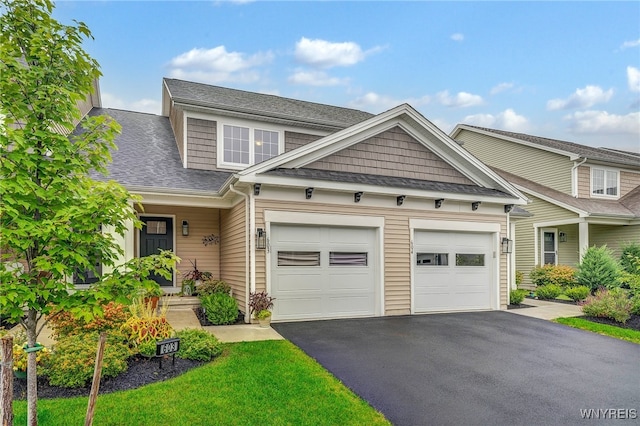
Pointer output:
x,y
156,234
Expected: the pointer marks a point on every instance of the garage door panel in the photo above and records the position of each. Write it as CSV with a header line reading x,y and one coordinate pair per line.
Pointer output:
x,y
441,283
342,283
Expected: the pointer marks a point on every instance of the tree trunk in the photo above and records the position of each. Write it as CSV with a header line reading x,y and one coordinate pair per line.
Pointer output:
x,y
7,381
32,378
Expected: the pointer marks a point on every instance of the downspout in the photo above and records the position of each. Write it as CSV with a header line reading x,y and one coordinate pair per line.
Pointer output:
x,y
574,177
248,257
508,260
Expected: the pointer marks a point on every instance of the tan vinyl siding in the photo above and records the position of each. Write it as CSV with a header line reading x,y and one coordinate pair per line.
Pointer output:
x,y
201,144
615,237
392,153
293,140
397,256
176,118
584,182
542,211
233,245
202,222
543,167
628,182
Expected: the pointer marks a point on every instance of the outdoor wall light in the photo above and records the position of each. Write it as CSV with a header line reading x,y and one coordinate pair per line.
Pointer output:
x,y
261,239
563,237
357,196
507,245
185,228
256,189
400,200
308,192
475,205
508,208
439,203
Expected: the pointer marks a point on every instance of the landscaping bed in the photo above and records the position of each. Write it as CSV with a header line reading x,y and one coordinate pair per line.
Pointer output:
x,y
142,371
632,323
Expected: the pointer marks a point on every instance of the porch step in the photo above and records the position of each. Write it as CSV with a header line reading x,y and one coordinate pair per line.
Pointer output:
x,y
181,302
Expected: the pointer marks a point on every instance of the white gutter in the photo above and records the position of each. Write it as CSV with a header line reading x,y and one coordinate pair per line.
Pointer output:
x,y
249,267
574,177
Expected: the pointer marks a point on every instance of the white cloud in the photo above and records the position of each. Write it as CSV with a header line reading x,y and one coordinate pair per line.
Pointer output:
x,y
324,54
457,37
582,98
151,106
502,87
602,122
460,100
315,78
506,120
216,65
629,44
633,79
377,103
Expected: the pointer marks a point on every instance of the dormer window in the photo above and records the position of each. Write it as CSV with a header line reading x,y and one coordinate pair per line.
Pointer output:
x,y
243,145
604,182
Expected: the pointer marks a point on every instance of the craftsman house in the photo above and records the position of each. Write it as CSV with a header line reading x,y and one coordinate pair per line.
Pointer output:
x,y
335,212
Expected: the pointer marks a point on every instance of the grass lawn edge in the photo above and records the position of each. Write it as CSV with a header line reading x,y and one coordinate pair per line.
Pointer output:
x,y
632,336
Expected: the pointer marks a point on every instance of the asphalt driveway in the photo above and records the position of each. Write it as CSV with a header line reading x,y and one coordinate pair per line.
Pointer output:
x,y
476,368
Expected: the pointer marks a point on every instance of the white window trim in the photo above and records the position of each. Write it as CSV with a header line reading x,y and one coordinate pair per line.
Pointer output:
x,y
606,169
252,126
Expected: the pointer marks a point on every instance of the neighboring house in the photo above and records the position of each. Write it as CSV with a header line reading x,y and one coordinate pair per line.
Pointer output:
x,y
581,196
335,212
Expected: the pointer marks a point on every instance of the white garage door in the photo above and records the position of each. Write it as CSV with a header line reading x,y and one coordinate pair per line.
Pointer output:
x,y
452,271
322,272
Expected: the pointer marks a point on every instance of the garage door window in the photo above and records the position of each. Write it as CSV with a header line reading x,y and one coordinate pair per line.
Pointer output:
x,y
298,258
347,259
432,259
466,259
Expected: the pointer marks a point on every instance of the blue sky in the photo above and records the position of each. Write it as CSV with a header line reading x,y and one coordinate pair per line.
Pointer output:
x,y
565,70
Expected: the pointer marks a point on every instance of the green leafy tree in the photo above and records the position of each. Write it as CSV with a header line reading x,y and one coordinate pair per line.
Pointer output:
x,y
50,208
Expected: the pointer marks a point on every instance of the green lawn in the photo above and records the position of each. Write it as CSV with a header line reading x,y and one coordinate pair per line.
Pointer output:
x,y
607,330
252,383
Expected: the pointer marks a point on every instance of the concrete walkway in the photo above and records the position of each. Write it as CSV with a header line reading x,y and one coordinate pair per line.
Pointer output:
x,y
547,310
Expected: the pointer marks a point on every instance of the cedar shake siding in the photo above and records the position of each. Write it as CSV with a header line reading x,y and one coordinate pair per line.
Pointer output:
x,y
293,140
202,222
397,247
201,144
628,182
584,182
392,153
233,245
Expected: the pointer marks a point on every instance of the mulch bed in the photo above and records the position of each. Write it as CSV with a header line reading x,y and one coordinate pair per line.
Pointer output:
x,y
142,371
632,323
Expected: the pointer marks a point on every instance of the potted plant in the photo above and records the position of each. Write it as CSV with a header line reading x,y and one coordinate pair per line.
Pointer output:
x,y
260,305
152,294
194,278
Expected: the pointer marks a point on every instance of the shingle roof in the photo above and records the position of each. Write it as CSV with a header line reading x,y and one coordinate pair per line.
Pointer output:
x,y
388,181
264,105
627,206
147,156
598,154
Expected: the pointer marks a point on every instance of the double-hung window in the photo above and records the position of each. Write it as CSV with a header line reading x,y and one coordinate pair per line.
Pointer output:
x,y
604,182
244,146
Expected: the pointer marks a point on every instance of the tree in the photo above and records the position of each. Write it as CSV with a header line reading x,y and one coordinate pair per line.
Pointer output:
x,y
50,208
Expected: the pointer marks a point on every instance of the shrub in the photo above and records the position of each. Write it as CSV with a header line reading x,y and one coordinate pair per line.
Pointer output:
x,y
20,355
609,303
198,345
146,325
213,286
578,293
598,268
560,275
630,281
63,323
517,296
630,258
635,304
72,361
549,291
519,278
220,308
